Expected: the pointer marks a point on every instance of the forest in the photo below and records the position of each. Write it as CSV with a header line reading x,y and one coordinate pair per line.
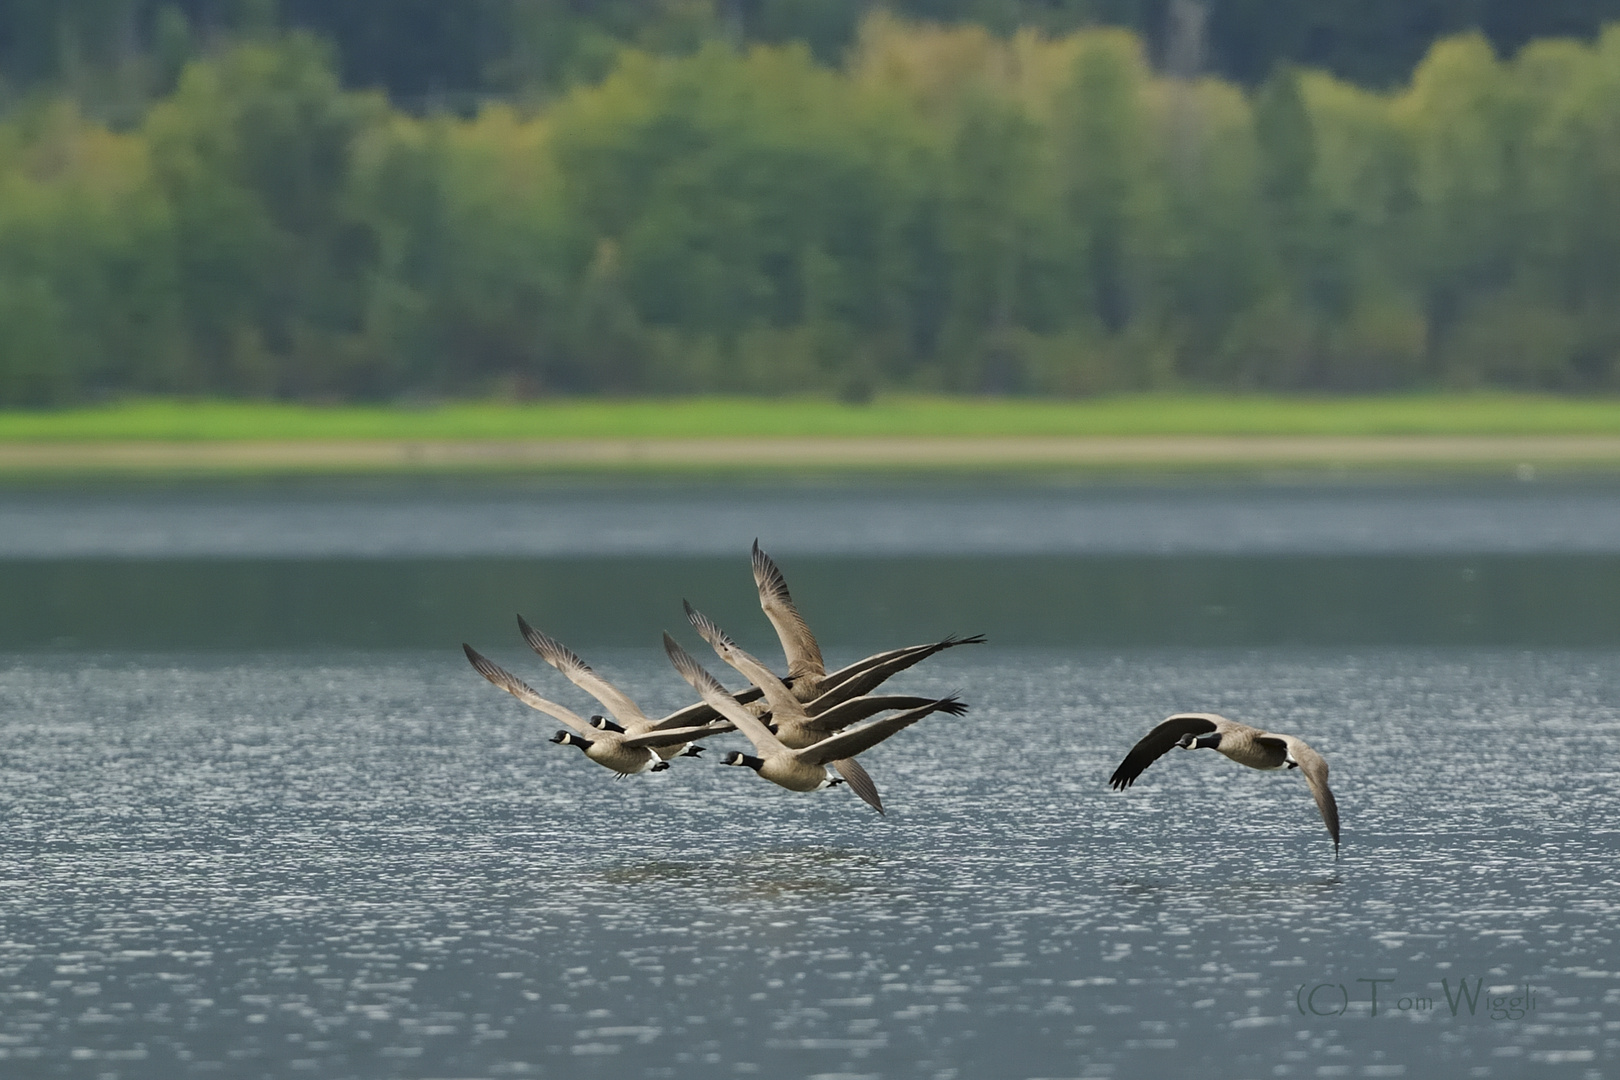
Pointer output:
x,y
232,199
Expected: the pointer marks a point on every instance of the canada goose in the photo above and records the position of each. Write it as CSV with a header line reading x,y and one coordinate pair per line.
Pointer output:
x,y
807,674
1243,744
624,754
852,682
792,721
631,720
791,718
803,769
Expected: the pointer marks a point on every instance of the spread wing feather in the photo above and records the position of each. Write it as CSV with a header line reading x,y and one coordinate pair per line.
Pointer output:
x,y
565,660
1155,744
667,737
751,668
701,711
855,710
859,782
723,703
798,643
863,676
848,743
524,693
1315,768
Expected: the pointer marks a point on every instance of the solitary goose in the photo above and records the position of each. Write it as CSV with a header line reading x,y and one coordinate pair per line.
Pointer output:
x,y
624,754
1243,744
807,673
631,720
803,769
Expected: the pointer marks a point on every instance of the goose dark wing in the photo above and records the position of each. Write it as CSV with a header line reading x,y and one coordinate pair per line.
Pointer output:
x,y
701,711
668,737
849,743
855,710
1155,744
866,675
859,782
798,643
1275,747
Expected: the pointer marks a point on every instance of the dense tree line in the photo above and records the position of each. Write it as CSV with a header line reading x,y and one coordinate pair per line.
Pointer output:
x,y
428,54
946,210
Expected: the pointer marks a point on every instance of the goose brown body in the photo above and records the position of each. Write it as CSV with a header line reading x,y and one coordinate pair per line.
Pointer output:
x,y
1246,745
622,707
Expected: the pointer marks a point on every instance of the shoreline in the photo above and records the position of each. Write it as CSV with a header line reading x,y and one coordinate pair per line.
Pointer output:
x,y
1590,453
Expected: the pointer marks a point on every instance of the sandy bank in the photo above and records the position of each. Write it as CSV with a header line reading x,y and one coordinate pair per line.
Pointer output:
x,y
869,453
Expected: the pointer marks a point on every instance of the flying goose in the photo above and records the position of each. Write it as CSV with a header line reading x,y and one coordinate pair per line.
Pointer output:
x,y
630,719
807,673
624,754
852,682
803,769
791,719
1243,744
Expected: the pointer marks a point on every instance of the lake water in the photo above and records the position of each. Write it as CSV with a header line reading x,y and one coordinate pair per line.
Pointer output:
x,y
261,819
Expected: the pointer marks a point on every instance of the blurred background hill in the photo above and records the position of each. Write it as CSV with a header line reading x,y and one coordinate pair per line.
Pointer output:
x,y
370,200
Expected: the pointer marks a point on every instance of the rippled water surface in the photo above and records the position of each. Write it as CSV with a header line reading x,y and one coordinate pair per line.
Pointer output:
x,y
259,819
1010,516
373,864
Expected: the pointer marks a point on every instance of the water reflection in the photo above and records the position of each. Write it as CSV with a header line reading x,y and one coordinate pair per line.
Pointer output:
x,y
1006,516
1094,601
1043,563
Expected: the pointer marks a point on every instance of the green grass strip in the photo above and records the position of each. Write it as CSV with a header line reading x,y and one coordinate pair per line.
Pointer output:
x,y
204,421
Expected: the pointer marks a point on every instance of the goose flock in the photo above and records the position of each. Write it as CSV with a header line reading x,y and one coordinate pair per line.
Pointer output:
x,y
803,725
800,725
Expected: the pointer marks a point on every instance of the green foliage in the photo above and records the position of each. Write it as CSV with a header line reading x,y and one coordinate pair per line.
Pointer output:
x,y
115,55
948,211
253,153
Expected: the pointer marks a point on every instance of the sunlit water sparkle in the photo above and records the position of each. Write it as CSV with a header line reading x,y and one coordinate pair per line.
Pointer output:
x,y
375,865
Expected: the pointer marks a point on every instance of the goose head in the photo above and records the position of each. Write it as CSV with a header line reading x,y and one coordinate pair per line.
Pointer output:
x,y
602,723
737,757
568,738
